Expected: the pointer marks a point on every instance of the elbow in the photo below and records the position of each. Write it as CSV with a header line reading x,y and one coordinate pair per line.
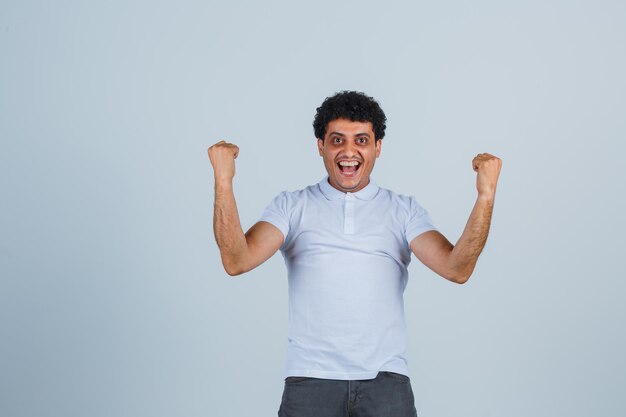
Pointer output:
x,y
459,277
233,265
234,269
462,279
459,273
233,272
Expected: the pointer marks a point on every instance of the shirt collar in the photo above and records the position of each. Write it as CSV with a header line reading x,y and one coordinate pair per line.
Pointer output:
x,y
331,193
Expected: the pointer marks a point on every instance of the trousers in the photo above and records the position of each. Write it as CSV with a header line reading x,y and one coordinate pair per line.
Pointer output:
x,y
388,395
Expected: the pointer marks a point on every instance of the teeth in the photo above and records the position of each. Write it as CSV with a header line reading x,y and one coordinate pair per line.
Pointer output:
x,y
348,163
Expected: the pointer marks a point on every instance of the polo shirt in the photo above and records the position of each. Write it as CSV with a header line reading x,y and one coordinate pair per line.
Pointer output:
x,y
347,256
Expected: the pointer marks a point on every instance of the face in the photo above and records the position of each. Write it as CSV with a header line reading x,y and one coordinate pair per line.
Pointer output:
x,y
349,151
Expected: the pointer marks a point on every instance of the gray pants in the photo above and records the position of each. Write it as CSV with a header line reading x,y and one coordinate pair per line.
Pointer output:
x,y
388,395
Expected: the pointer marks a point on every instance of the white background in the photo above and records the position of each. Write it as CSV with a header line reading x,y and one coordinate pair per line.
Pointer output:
x,y
113,301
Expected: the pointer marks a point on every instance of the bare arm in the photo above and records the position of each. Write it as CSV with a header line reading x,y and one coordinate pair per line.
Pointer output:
x,y
240,252
456,263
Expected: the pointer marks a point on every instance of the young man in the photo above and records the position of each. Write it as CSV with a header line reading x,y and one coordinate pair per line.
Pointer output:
x,y
347,244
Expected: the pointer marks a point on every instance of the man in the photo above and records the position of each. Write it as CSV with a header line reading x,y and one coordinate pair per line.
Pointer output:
x,y
347,244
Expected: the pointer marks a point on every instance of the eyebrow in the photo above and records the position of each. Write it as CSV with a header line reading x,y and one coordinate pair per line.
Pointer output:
x,y
341,134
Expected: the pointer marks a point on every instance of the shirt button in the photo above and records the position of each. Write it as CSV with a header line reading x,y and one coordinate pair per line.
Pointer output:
x,y
348,197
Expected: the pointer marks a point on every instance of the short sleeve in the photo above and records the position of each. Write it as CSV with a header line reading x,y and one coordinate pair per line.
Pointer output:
x,y
419,221
277,213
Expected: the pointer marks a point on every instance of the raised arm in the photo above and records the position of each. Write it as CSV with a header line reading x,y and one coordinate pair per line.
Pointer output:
x,y
456,262
240,252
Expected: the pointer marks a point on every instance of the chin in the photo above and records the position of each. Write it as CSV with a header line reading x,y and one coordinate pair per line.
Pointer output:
x,y
348,186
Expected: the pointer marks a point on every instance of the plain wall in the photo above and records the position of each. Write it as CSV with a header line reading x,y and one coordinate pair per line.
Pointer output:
x,y
113,301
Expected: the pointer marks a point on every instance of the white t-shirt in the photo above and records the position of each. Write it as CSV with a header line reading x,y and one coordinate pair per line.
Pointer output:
x,y
347,256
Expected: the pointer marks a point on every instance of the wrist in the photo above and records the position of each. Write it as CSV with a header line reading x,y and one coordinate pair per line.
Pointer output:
x,y
222,183
486,197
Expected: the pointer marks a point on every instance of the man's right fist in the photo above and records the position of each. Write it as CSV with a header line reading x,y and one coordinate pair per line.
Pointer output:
x,y
222,156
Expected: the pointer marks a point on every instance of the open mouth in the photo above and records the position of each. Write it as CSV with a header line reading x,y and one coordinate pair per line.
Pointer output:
x,y
349,168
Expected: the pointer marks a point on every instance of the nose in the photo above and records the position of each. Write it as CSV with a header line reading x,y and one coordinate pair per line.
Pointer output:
x,y
349,148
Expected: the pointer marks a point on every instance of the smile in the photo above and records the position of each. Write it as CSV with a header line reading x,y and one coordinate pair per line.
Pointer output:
x,y
349,168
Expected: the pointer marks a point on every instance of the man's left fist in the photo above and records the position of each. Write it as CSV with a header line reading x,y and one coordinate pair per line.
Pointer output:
x,y
488,168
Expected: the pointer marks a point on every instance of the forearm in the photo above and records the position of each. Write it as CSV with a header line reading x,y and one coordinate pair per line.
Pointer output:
x,y
464,255
229,235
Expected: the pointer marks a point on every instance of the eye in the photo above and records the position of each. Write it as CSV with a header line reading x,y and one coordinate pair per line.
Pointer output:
x,y
336,139
361,141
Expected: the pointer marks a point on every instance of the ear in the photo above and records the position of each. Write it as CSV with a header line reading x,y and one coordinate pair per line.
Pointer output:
x,y
379,143
320,146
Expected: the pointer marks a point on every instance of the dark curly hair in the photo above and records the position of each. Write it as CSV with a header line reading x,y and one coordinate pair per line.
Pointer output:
x,y
352,105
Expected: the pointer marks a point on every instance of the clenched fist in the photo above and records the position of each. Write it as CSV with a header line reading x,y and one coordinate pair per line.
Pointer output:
x,y
488,168
222,156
